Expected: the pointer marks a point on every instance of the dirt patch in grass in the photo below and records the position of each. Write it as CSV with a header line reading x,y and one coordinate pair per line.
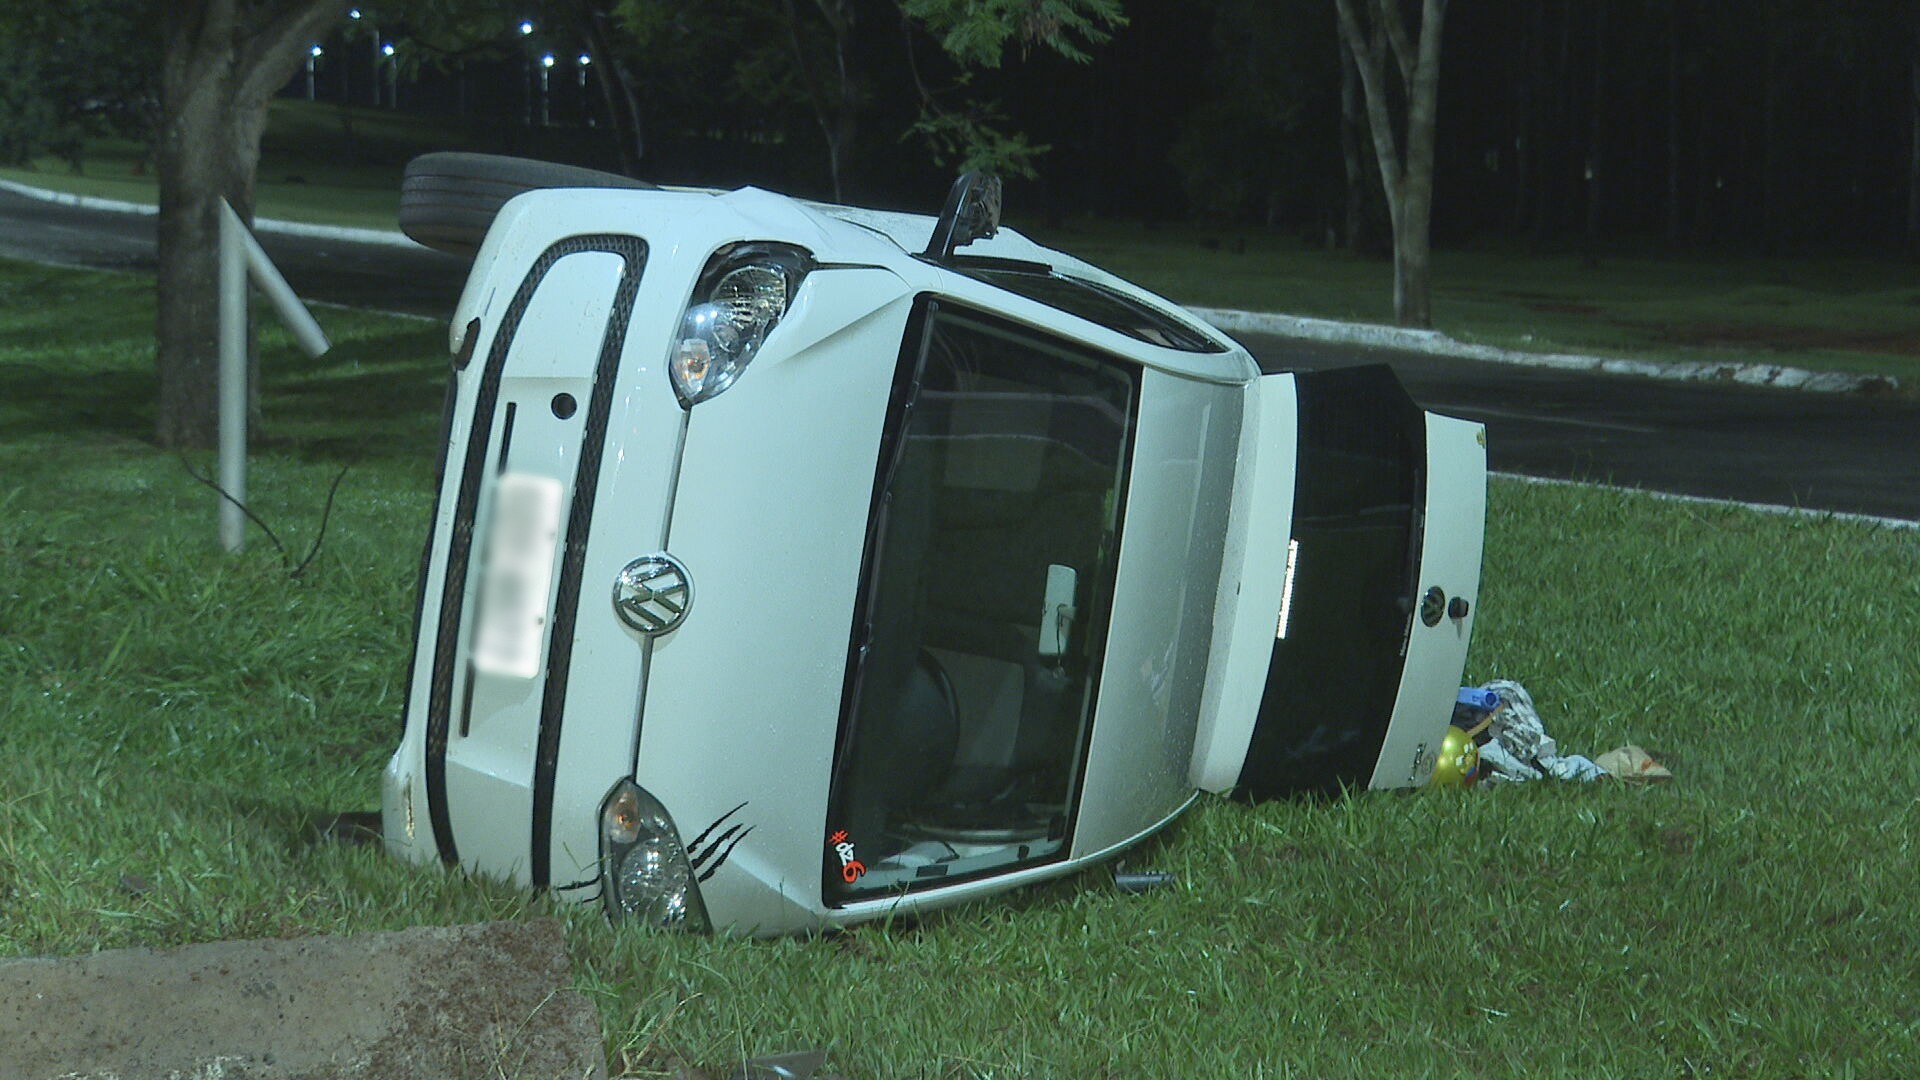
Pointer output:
x,y
465,1001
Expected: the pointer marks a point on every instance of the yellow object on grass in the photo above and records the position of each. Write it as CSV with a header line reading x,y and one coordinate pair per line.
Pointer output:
x,y
1459,762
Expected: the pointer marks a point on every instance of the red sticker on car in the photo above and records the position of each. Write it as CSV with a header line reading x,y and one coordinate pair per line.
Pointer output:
x,y
850,867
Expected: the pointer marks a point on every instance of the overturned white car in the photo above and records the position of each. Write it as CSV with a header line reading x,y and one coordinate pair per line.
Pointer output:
x,y
795,565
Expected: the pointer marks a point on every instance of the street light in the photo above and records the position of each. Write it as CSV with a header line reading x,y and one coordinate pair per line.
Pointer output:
x,y
526,84
393,75
313,57
580,64
373,41
546,68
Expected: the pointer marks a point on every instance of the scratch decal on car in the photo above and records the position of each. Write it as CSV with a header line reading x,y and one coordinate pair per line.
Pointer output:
x,y
700,850
850,868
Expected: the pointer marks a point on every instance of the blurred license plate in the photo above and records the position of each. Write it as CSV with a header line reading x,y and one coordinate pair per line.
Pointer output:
x,y
517,575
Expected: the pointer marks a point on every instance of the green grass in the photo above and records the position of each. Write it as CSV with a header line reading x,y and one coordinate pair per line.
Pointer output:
x,y
175,715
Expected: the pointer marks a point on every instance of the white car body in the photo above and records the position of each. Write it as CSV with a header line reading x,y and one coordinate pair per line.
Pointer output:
x,y
1160,657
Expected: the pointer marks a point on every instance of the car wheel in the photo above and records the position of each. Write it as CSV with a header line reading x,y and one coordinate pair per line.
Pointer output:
x,y
448,200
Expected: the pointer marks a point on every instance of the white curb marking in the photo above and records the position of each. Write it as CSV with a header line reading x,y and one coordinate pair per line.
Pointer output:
x,y
266,225
1434,343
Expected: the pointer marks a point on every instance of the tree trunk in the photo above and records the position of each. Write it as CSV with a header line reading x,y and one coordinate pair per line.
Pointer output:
x,y
1408,182
1913,160
846,102
1596,130
1412,263
1558,170
208,150
1533,44
834,108
1351,123
1412,269
1772,149
222,63
616,90
1674,225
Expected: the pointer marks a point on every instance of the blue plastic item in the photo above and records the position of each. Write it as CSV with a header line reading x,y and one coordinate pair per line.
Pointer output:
x,y
1474,697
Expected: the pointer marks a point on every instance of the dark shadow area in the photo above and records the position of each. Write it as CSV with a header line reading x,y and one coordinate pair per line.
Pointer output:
x,y
42,401
374,414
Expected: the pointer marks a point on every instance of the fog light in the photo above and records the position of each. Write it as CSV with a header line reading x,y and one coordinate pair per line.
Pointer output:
x,y
644,868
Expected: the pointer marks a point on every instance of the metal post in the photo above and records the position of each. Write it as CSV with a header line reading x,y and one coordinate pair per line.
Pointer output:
x,y
241,256
266,277
233,379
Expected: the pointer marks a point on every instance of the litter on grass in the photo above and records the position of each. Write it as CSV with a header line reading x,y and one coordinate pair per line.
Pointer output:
x,y
1497,735
1630,762
1518,748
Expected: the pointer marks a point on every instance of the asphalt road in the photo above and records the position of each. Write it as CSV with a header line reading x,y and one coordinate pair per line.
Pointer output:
x,y
1844,453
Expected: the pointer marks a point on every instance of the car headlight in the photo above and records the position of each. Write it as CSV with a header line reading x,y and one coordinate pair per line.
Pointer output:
x,y
644,867
740,298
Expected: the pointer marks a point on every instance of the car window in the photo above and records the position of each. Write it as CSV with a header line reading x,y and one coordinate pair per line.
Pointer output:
x,y
1094,303
983,611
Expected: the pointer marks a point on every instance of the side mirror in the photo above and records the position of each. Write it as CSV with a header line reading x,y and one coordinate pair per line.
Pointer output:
x,y
972,213
1057,612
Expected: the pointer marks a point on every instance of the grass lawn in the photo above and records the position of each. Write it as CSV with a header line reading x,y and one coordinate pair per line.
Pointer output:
x,y
324,163
173,720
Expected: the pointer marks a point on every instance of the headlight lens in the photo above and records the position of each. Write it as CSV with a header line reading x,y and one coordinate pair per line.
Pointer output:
x,y
741,297
644,867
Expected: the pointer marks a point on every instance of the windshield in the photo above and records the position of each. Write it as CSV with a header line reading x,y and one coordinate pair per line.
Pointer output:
x,y
983,615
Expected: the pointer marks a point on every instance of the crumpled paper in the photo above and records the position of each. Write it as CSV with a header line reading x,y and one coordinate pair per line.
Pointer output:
x,y
1520,748
1630,762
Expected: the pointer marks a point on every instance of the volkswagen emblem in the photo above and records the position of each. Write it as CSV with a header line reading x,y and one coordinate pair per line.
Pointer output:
x,y
652,594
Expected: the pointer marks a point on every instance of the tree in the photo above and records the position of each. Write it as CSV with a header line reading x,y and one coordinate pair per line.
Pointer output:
x,y
833,56
449,34
835,92
1374,32
976,35
222,61
82,68
1255,145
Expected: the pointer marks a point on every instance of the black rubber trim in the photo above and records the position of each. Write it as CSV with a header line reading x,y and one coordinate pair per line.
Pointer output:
x,y
458,365
506,438
460,542
906,389
579,524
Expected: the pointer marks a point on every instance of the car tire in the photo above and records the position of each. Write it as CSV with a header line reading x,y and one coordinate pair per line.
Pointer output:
x,y
449,200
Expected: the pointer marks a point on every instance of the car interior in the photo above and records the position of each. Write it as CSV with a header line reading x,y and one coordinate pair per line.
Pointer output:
x,y
987,600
